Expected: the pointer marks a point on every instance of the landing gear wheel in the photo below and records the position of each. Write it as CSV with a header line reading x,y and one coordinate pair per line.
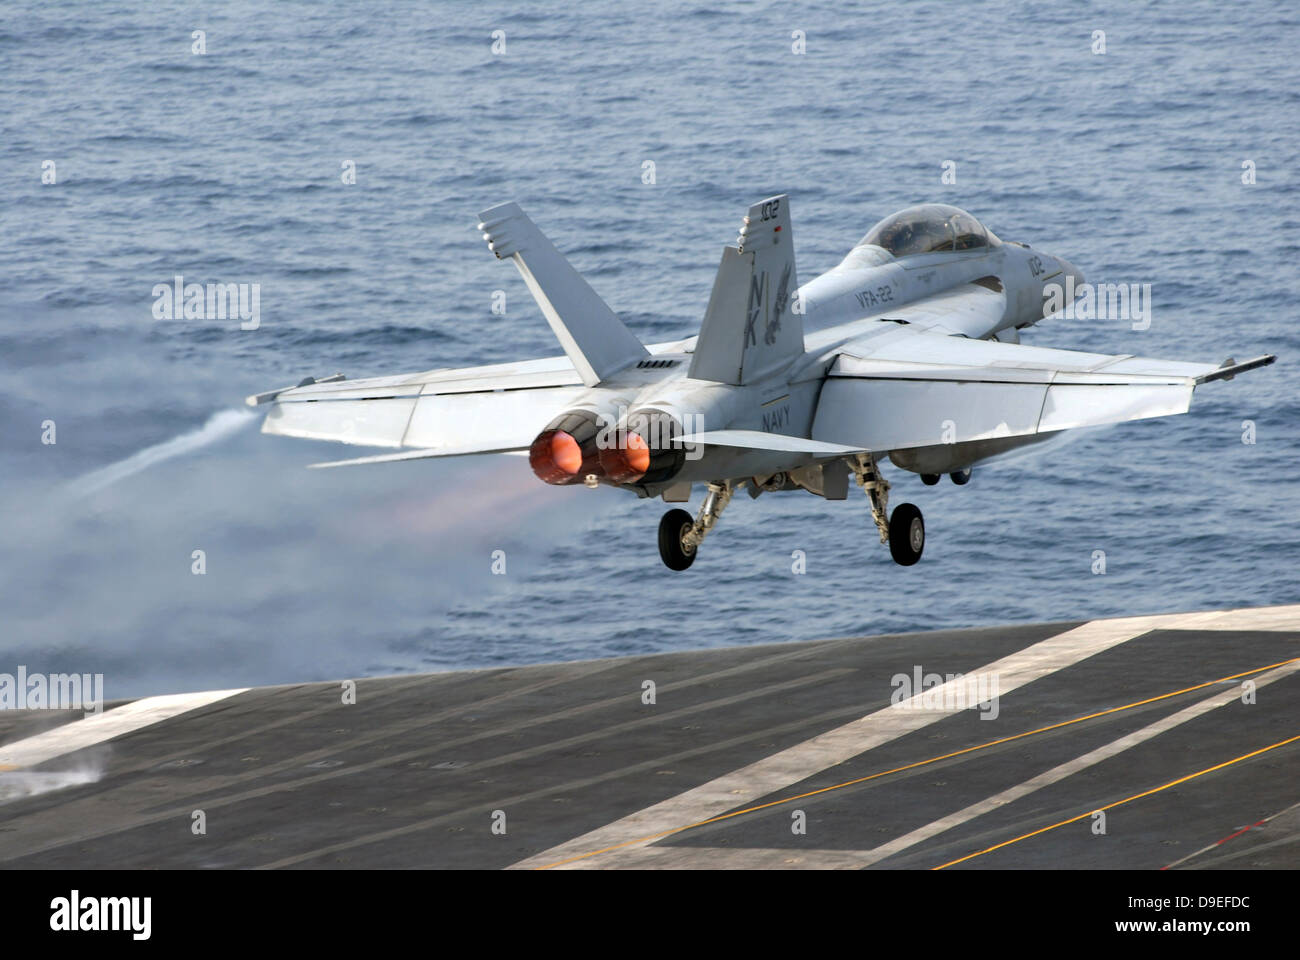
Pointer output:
x,y
671,527
929,479
959,477
906,534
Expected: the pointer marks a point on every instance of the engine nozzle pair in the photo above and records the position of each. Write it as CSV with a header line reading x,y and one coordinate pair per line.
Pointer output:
x,y
579,444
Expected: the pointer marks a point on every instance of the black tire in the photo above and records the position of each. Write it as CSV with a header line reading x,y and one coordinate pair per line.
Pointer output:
x,y
929,479
960,477
906,534
670,540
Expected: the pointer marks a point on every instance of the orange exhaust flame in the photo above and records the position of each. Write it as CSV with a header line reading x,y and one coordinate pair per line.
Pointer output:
x,y
555,457
628,463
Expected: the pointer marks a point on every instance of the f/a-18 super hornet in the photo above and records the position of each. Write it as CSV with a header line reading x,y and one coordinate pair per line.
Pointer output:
x,y
909,349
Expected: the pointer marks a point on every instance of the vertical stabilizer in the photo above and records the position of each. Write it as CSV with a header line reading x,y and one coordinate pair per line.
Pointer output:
x,y
591,334
753,325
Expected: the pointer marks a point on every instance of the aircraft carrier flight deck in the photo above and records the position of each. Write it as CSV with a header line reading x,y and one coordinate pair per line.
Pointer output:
x,y
1167,741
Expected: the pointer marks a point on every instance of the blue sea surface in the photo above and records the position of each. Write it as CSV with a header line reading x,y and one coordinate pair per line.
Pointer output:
x,y
227,166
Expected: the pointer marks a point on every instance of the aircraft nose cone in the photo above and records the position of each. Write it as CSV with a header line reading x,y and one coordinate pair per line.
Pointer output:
x,y
1072,271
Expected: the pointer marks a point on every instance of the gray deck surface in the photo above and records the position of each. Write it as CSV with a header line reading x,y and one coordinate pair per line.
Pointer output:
x,y
411,774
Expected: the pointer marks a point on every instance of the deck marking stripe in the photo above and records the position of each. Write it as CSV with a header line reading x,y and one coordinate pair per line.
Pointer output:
x,y
1119,803
1238,833
858,736
1068,769
1281,619
918,763
787,767
100,727
1217,843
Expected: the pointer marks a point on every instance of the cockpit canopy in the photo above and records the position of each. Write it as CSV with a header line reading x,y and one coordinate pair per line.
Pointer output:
x,y
929,228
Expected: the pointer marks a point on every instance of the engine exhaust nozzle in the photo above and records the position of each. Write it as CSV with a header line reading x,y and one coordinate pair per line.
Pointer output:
x,y
565,451
644,449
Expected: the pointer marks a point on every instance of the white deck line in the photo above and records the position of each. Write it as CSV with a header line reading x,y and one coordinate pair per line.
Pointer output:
x,y
104,726
795,764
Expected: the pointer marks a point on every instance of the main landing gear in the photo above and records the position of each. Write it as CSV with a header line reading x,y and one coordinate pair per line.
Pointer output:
x,y
904,530
680,536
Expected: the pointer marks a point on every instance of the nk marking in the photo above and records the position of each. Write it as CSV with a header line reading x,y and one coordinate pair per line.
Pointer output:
x,y
757,284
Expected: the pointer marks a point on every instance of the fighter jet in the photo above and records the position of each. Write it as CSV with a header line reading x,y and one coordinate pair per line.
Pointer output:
x,y
908,349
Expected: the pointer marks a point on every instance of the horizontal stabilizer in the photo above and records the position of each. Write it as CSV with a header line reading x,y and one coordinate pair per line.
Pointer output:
x,y
412,455
760,440
592,336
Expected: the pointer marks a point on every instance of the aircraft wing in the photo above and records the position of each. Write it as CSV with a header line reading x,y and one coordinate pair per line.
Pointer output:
x,y
489,409
897,388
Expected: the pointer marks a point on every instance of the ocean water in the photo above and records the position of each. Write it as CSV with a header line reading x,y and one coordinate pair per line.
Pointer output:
x,y
226,166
